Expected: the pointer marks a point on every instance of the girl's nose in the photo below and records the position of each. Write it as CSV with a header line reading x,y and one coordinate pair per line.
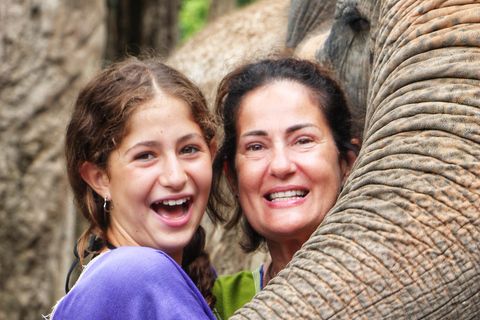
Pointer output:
x,y
173,174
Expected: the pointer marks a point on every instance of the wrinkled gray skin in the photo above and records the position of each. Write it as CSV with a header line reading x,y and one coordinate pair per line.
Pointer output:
x,y
403,241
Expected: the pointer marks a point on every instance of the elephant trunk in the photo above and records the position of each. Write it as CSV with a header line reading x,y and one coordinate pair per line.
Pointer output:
x,y
403,240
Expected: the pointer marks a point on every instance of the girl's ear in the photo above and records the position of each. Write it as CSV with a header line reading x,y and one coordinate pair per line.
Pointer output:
x,y
97,179
231,176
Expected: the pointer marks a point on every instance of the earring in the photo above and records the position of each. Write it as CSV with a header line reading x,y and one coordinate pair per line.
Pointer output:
x,y
105,202
237,195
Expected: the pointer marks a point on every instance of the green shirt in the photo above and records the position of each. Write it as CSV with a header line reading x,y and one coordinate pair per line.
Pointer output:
x,y
233,292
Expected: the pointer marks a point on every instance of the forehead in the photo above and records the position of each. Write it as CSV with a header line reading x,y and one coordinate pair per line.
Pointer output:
x,y
162,110
277,99
166,103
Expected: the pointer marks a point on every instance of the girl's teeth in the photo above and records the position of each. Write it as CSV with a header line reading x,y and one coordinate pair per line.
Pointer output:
x,y
176,202
170,209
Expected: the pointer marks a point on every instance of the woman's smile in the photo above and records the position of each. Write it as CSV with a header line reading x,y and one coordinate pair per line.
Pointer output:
x,y
285,196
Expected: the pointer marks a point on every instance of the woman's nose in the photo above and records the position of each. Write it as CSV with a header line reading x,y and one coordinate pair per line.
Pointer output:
x,y
173,174
281,164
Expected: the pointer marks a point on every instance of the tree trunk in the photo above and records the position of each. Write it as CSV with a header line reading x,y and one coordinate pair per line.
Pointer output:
x,y
219,8
48,51
142,26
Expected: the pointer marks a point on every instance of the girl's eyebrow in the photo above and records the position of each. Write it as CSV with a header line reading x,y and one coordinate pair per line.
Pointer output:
x,y
289,130
155,143
189,136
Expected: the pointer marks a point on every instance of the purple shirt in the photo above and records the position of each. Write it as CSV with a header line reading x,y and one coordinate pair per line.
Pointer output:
x,y
134,283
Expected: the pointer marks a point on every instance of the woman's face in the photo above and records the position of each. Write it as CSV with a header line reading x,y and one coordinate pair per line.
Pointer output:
x,y
287,164
159,178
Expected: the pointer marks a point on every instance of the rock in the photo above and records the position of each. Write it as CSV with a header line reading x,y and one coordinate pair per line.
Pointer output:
x,y
49,49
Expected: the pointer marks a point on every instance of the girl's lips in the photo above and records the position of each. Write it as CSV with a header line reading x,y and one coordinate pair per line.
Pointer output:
x,y
173,212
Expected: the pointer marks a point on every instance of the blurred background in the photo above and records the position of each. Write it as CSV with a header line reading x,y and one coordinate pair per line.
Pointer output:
x,y
49,49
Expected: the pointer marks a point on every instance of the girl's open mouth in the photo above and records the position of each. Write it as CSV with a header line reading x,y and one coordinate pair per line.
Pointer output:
x,y
172,209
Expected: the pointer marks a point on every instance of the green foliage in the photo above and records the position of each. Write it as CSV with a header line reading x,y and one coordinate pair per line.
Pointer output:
x,y
241,3
192,17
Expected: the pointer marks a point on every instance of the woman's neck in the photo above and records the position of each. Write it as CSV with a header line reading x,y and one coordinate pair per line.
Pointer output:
x,y
281,254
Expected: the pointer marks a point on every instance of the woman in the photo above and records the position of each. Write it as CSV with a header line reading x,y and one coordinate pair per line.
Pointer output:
x,y
139,151
286,153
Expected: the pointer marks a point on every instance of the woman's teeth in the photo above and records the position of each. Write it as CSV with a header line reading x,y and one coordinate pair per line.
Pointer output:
x,y
287,195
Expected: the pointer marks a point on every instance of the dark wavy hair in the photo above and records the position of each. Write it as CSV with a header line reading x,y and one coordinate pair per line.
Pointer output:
x,y
233,88
97,126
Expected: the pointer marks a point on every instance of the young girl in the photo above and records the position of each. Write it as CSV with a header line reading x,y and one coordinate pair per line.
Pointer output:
x,y
139,151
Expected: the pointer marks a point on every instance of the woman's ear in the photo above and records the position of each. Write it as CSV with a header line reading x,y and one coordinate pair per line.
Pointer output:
x,y
97,179
349,160
213,149
231,176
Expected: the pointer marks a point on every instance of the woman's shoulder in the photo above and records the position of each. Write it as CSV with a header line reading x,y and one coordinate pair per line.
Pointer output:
x,y
232,286
240,277
244,275
233,291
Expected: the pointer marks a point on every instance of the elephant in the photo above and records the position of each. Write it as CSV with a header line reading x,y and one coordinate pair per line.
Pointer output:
x,y
403,240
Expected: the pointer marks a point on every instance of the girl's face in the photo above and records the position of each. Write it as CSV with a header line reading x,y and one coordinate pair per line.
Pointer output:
x,y
159,178
288,168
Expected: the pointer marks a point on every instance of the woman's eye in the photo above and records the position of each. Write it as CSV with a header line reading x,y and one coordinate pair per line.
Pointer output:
x,y
255,147
189,150
303,141
145,156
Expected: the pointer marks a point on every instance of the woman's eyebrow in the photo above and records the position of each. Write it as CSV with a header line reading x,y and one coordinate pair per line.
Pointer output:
x,y
255,133
289,130
299,126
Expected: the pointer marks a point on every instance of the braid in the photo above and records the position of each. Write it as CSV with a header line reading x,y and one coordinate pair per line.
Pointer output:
x,y
196,263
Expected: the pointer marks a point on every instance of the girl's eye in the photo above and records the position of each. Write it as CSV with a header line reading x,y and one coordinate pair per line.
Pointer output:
x,y
255,147
144,156
189,150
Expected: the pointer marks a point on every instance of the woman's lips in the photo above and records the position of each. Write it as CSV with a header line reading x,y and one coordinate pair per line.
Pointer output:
x,y
288,195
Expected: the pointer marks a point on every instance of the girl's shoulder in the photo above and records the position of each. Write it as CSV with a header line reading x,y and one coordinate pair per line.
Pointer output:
x,y
135,259
133,283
